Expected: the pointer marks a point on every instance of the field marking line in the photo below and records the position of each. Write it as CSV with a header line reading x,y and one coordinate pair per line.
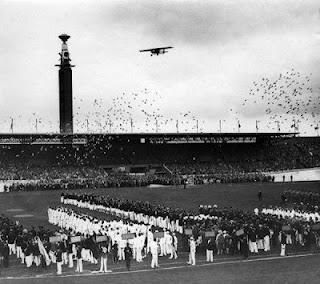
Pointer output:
x,y
159,269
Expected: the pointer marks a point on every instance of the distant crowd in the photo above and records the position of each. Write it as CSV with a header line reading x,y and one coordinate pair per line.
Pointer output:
x,y
118,180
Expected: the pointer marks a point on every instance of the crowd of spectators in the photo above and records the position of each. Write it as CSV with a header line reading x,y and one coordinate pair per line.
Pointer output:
x,y
65,166
117,180
22,171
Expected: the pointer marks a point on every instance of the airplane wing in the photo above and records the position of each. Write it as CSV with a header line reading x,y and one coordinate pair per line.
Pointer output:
x,y
144,50
155,49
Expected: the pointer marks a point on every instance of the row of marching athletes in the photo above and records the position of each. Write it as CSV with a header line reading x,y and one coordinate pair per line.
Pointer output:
x,y
163,222
144,241
87,225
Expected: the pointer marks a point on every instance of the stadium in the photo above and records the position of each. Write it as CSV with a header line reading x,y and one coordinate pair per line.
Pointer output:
x,y
163,206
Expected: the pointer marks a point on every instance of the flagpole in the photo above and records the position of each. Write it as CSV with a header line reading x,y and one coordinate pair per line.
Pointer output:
x,y
11,126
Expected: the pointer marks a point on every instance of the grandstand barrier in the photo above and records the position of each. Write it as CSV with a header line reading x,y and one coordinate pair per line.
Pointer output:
x,y
158,185
311,174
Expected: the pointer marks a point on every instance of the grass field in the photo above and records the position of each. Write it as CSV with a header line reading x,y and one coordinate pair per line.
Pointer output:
x,y
263,269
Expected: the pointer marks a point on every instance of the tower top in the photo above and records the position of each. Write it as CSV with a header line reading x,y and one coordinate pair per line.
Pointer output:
x,y
64,37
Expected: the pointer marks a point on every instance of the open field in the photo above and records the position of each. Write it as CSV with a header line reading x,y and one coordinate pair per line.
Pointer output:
x,y
242,196
32,208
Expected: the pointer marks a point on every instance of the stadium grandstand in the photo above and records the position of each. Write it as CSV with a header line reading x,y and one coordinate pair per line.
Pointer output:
x,y
145,158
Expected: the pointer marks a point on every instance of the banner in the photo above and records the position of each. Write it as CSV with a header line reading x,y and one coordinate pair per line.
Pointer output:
x,y
128,236
55,239
43,252
75,239
100,239
239,232
209,234
157,235
316,227
286,228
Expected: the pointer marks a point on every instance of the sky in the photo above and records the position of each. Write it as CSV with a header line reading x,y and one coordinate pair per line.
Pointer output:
x,y
224,53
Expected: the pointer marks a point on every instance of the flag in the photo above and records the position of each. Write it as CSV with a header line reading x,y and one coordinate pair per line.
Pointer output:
x,y
43,252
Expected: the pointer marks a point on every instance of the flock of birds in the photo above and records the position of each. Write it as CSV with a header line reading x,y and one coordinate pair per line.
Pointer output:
x,y
135,112
287,101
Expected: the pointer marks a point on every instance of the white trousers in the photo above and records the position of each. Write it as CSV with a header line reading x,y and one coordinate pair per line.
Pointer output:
x,y
192,258
29,260
260,244
139,254
59,268
266,241
12,249
154,261
79,265
70,260
37,260
283,250
253,246
65,258
19,252
209,254
103,265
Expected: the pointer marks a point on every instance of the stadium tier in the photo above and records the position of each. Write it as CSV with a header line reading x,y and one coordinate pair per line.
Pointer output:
x,y
91,156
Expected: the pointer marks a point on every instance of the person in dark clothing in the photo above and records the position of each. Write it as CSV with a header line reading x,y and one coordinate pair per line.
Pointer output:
x,y
283,198
79,259
283,243
128,255
115,253
211,246
260,195
5,252
59,262
244,247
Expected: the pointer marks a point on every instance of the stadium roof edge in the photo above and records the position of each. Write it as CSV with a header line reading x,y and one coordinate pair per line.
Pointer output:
x,y
148,134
